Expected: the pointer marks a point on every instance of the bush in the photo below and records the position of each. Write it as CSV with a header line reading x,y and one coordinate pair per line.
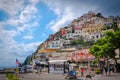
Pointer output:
x,y
98,71
12,76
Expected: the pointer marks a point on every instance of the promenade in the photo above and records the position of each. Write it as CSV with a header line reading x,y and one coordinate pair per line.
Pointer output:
x,y
3,77
50,76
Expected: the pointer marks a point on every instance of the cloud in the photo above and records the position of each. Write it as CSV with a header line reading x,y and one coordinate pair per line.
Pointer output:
x,y
68,10
28,13
64,19
34,2
12,7
10,49
21,13
26,49
23,17
107,7
28,37
18,50
28,18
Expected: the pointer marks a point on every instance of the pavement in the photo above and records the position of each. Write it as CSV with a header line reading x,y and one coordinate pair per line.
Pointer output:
x,y
3,77
51,76
43,76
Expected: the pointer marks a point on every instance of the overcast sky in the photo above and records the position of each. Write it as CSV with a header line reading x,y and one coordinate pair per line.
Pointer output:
x,y
24,24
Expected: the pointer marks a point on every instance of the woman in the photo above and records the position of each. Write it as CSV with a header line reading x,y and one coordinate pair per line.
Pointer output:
x,y
82,71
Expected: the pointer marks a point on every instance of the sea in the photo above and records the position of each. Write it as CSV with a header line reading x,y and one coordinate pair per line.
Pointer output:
x,y
4,67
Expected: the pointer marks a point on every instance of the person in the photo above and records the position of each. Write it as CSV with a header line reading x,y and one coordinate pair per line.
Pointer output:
x,y
25,69
34,68
66,74
112,69
105,70
82,71
89,77
72,74
108,70
40,69
101,70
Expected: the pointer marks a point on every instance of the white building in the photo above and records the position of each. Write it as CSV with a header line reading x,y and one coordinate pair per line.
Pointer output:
x,y
69,36
56,44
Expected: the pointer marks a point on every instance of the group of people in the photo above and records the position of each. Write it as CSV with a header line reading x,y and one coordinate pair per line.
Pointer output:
x,y
108,70
37,68
72,73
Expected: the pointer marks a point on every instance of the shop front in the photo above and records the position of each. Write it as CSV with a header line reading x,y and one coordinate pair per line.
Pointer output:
x,y
57,66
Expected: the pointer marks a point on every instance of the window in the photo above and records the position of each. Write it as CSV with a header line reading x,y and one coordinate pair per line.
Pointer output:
x,y
68,35
97,36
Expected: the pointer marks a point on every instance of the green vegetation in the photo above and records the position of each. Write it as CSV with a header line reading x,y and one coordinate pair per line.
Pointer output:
x,y
106,46
11,76
82,43
99,15
98,71
27,60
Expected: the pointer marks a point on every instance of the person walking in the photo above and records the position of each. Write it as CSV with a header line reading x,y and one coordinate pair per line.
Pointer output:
x,y
82,71
40,69
108,70
112,70
105,70
72,74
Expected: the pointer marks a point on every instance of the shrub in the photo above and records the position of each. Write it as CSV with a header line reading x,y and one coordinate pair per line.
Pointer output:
x,y
12,76
98,71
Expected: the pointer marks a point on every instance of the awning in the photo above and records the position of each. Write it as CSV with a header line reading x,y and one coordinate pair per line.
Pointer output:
x,y
47,50
45,63
57,61
67,50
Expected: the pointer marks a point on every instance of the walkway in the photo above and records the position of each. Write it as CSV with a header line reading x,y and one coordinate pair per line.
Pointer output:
x,y
50,76
116,76
2,77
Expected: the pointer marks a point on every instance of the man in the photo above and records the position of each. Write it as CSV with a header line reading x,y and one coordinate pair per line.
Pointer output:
x,y
72,74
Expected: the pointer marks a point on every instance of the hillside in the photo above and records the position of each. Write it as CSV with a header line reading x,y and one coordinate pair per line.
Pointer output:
x,y
81,33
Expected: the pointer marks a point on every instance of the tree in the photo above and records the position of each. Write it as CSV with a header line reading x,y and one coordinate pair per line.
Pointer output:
x,y
80,41
99,15
96,51
88,43
106,46
114,38
27,60
73,43
114,25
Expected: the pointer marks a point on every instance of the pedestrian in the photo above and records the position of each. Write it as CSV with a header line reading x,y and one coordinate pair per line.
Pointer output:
x,y
108,70
74,73
40,69
82,71
101,70
105,68
112,69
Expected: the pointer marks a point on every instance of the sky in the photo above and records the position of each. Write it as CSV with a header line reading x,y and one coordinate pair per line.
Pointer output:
x,y
25,24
